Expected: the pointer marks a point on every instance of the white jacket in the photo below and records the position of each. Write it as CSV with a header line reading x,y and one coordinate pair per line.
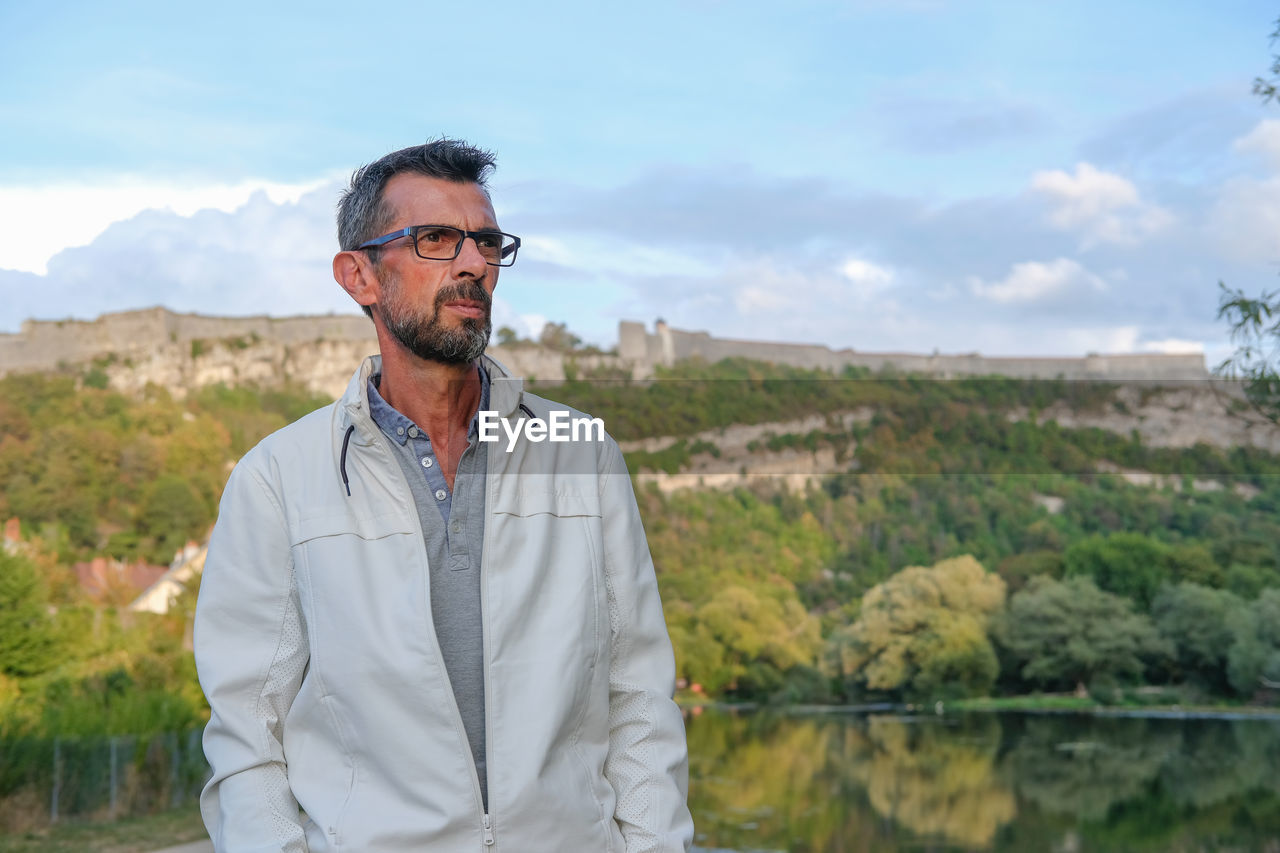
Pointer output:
x,y
316,649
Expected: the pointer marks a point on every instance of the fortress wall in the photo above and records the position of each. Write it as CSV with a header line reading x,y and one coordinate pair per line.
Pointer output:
x,y
633,342
285,330
299,348
45,344
702,345
674,344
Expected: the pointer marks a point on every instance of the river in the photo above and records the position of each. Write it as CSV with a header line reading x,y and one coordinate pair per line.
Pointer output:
x,y
843,782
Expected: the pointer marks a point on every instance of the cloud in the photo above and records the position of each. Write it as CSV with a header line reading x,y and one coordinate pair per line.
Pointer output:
x,y
80,212
1244,216
868,277
940,125
731,250
1034,281
1245,219
1264,139
1173,345
1102,207
261,257
1103,339
1186,138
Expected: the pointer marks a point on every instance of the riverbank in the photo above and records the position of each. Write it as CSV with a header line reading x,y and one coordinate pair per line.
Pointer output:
x,y
1052,704
1033,704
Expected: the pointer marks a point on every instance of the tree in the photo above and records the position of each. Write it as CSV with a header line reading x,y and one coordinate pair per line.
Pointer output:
x,y
1253,663
1255,331
1198,621
28,636
1255,323
171,513
1262,87
1127,564
1070,633
557,336
761,637
924,631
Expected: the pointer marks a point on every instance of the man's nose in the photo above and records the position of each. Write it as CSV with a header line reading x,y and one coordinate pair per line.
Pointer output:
x,y
469,260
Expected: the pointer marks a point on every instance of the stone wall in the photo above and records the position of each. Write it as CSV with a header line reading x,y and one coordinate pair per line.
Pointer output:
x,y
181,351
46,344
665,346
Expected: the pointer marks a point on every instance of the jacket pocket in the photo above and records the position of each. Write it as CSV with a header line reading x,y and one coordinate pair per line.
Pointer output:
x,y
563,501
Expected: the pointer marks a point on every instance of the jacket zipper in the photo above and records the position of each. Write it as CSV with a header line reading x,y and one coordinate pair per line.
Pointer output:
x,y
486,823
487,647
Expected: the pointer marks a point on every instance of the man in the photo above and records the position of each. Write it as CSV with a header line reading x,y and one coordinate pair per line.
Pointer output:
x,y
424,640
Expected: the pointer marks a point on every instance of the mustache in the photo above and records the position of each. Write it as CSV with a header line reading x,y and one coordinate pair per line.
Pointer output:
x,y
470,290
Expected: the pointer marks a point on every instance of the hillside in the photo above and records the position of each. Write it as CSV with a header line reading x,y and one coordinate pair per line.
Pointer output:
x,y
828,488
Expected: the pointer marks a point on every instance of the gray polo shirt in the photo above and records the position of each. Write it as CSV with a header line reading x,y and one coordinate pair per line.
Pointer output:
x,y
453,529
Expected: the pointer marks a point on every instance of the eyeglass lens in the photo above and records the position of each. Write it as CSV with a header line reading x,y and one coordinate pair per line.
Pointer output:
x,y
441,243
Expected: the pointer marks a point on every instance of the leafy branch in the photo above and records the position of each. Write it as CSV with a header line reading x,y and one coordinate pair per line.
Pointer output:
x,y
1255,332
1262,87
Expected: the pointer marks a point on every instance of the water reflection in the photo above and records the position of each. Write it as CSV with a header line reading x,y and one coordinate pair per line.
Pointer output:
x,y
936,780
845,783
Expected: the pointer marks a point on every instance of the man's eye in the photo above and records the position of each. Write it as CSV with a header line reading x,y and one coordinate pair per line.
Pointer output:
x,y
488,241
433,235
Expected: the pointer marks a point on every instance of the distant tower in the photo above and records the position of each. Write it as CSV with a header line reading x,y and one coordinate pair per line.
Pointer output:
x,y
666,348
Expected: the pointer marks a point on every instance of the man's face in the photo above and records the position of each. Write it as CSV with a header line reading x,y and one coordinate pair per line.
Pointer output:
x,y
438,310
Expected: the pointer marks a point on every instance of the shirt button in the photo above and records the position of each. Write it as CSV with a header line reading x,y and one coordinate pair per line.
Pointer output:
x,y
455,527
441,494
413,432
399,430
426,462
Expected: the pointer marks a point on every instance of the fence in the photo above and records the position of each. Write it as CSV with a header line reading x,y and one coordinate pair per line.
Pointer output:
x,y
44,780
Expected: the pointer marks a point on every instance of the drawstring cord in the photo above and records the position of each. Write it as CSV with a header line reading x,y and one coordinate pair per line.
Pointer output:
x,y
342,461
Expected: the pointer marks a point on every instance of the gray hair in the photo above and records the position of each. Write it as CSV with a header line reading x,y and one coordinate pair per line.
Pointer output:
x,y
361,213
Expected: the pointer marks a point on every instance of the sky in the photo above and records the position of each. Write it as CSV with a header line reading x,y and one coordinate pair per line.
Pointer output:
x,y
1009,178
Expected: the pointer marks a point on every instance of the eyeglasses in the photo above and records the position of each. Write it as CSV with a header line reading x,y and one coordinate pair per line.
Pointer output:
x,y
443,243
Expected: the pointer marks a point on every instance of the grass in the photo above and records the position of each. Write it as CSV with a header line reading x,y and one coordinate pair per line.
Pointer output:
x,y
1024,703
127,835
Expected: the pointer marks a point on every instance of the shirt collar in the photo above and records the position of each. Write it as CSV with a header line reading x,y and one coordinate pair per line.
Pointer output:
x,y
396,425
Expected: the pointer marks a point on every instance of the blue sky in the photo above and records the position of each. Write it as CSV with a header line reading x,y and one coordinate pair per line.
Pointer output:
x,y
995,176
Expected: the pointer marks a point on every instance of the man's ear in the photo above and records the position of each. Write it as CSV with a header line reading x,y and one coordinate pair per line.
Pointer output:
x,y
354,272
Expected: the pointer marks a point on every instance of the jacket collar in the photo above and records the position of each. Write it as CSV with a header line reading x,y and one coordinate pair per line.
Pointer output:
x,y
505,392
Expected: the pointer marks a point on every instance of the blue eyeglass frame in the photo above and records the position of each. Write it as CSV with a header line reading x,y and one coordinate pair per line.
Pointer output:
x,y
412,232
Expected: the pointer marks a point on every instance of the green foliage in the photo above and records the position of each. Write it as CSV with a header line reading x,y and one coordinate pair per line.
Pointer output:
x,y
1255,331
924,632
96,378
761,587
1127,564
28,635
82,463
1198,622
115,702
1250,581
1253,662
1266,88
1063,634
171,513
557,336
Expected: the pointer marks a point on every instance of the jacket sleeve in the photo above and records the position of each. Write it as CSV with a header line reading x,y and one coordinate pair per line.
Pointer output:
x,y
251,652
648,760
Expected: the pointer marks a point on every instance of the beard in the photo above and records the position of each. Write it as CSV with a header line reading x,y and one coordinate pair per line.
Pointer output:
x,y
427,337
